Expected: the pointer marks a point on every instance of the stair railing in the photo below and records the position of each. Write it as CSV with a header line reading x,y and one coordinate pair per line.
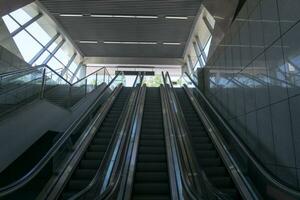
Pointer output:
x,y
268,186
25,179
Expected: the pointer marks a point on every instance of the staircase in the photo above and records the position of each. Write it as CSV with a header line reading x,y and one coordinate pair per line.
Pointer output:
x,y
151,180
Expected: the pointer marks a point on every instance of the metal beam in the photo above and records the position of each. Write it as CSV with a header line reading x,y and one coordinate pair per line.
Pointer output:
x,y
44,49
53,52
68,65
26,24
76,71
190,65
198,53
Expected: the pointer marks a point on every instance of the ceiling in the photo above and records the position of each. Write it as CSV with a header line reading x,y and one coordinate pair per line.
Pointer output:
x,y
119,29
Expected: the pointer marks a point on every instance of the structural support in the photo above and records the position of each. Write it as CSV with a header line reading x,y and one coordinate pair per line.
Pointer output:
x,y
76,71
190,64
198,53
53,52
43,49
26,24
68,65
201,48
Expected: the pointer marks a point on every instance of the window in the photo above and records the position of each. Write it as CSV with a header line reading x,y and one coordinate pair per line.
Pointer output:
x,y
27,45
32,39
10,23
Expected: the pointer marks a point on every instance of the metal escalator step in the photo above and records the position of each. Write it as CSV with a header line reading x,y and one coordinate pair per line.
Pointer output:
x,y
77,184
152,137
152,177
221,182
151,197
94,155
89,164
152,143
207,146
84,174
151,158
207,154
200,140
209,162
152,150
97,148
151,167
216,171
101,141
151,188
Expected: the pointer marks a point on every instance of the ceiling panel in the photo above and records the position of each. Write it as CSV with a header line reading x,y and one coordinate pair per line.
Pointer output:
x,y
127,29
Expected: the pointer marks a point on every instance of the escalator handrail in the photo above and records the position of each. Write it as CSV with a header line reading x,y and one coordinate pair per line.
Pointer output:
x,y
52,151
206,185
245,150
112,187
192,194
110,190
108,153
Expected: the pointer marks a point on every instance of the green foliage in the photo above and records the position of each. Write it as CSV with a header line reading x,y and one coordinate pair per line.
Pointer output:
x,y
154,81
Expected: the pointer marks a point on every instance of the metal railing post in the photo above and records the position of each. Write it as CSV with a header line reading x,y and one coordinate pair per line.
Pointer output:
x,y
96,80
85,87
43,84
104,75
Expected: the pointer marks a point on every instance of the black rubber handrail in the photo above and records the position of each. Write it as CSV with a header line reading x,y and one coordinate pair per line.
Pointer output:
x,y
52,151
96,178
204,185
245,151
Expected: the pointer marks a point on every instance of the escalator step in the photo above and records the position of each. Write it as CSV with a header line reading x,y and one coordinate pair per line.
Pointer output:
x,y
152,158
77,184
151,177
84,173
151,188
94,155
89,164
151,197
151,167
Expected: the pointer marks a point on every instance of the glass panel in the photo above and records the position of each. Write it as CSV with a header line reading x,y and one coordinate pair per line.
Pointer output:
x,y
55,64
54,44
206,48
21,16
27,45
10,23
39,33
42,58
62,55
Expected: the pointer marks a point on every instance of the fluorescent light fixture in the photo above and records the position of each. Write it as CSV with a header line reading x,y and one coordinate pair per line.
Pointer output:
x,y
71,15
124,16
175,17
171,43
131,42
146,17
104,16
88,42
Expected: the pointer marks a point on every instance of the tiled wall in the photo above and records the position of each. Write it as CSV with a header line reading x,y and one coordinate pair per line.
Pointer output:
x,y
256,83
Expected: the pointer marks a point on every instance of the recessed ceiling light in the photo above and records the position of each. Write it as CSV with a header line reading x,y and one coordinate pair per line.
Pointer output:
x,y
147,17
71,15
101,16
131,42
174,17
124,16
88,42
171,43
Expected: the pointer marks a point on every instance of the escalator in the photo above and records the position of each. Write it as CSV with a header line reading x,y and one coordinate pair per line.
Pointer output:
x,y
151,179
91,160
206,153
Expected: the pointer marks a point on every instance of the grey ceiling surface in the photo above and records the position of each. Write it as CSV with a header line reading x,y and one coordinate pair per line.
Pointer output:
x,y
127,29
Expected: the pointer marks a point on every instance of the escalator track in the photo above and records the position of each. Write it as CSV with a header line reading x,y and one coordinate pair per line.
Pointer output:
x,y
151,179
91,160
206,153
